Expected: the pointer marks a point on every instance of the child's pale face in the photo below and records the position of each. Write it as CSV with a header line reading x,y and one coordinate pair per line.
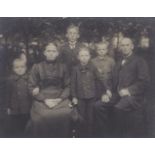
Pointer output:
x,y
72,34
51,53
19,67
102,50
84,57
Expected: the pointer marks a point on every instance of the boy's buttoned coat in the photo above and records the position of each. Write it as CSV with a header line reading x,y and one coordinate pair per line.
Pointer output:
x,y
84,81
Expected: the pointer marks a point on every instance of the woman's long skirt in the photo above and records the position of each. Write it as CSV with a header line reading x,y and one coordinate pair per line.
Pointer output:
x,y
51,122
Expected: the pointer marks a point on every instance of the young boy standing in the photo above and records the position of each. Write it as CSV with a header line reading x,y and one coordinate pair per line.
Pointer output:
x,y
83,91
70,49
104,65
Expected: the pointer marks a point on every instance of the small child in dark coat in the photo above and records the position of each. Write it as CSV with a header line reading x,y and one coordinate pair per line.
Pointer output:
x,y
83,91
18,99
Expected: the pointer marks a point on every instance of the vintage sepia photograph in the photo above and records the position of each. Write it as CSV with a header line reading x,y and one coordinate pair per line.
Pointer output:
x,y
77,77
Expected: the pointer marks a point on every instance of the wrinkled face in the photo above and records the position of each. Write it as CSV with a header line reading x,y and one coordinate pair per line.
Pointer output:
x,y
51,52
84,56
19,67
102,49
72,34
126,46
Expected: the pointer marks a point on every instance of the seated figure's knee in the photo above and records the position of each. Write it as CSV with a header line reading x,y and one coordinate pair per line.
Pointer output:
x,y
124,103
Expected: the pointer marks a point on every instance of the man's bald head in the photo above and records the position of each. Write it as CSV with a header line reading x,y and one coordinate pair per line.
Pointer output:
x,y
126,40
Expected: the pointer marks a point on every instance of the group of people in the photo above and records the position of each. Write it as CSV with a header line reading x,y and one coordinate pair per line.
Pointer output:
x,y
74,92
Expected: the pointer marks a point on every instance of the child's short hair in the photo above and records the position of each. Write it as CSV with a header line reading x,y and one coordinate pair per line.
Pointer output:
x,y
71,26
50,44
84,48
18,60
102,43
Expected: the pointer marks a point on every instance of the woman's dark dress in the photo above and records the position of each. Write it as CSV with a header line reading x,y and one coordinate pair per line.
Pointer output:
x,y
53,81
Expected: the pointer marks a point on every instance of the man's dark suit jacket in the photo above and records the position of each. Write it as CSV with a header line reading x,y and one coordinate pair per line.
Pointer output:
x,y
133,75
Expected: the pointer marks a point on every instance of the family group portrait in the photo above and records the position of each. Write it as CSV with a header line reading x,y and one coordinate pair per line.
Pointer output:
x,y
77,77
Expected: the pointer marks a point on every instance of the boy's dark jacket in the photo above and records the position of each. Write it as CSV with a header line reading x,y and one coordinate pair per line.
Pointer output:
x,y
84,81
